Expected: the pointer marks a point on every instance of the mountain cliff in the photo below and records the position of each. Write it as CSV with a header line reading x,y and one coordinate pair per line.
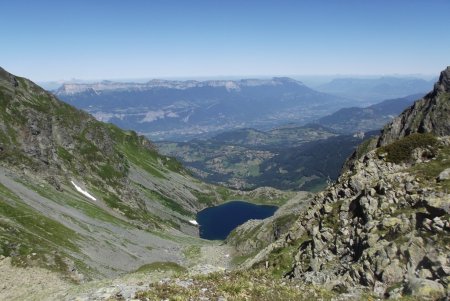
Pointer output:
x,y
428,115
85,197
229,85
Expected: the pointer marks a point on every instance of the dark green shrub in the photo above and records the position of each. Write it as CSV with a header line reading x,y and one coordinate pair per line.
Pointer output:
x,y
401,150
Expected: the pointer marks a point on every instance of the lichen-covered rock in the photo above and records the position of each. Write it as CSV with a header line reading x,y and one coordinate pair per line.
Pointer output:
x,y
393,273
424,288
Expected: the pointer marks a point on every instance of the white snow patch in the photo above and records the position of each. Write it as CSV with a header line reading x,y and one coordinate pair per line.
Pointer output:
x,y
82,191
194,222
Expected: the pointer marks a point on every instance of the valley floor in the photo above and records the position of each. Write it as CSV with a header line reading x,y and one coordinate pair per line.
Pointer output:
x,y
30,283
34,283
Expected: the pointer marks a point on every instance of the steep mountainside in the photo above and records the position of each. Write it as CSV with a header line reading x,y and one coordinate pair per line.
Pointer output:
x,y
76,193
182,110
350,120
384,225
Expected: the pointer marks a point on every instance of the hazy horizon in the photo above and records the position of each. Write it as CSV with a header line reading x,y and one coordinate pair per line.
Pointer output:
x,y
242,77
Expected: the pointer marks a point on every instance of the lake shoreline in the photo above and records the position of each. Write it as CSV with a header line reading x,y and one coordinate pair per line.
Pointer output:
x,y
217,222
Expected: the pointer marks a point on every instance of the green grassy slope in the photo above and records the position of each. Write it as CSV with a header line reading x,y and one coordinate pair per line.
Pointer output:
x,y
143,200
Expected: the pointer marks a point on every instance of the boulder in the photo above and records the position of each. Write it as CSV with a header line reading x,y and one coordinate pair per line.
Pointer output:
x,y
393,273
425,273
379,288
413,251
437,206
390,222
444,175
424,288
372,239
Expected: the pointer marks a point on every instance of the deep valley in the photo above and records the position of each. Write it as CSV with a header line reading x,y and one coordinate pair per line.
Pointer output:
x,y
89,211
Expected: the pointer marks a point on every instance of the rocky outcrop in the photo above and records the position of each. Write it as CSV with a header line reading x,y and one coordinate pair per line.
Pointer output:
x,y
428,115
379,226
254,235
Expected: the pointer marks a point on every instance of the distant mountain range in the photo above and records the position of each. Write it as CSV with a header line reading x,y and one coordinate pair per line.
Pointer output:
x,y
371,90
181,110
350,120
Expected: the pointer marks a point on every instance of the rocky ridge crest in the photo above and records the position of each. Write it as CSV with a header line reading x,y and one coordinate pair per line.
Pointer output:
x,y
229,85
378,226
428,115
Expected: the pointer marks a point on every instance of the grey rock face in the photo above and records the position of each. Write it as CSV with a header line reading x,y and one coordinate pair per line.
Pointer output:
x,y
427,115
424,288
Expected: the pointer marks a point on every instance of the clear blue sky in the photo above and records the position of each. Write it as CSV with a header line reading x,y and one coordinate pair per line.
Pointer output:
x,y
51,40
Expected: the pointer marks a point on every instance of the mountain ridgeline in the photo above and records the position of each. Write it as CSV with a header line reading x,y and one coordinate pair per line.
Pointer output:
x,y
181,110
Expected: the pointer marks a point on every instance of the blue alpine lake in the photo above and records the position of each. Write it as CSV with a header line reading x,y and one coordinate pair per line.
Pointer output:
x,y
217,222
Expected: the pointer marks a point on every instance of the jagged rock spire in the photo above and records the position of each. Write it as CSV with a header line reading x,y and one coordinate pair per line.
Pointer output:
x,y
443,85
430,114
